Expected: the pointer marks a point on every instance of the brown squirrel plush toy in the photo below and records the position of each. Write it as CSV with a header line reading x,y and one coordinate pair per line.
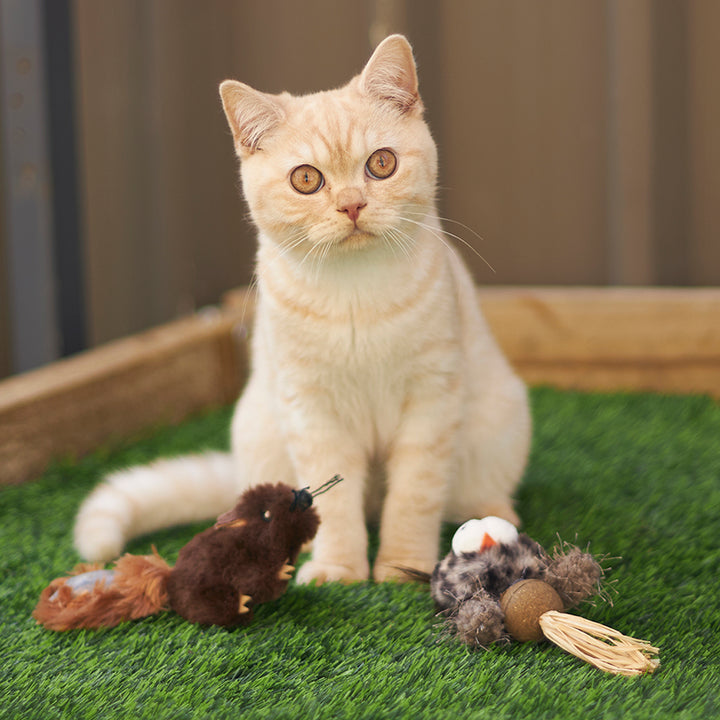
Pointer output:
x,y
245,559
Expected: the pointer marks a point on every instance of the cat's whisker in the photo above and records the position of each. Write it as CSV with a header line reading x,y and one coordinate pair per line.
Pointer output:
x,y
315,256
450,220
307,254
438,233
251,287
409,249
435,229
294,241
326,249
396,245
433,232
392,242
403,241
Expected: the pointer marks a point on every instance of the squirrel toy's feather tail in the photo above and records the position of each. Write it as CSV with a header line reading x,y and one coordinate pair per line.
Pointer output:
x,y
91,597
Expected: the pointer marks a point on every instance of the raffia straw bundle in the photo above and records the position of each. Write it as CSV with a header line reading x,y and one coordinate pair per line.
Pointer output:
x,y
598,644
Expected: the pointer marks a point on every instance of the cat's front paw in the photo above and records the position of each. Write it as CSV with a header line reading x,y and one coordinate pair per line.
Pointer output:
x,y
321,572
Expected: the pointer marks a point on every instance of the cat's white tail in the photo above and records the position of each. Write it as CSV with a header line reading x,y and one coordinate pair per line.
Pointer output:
x,y
142,499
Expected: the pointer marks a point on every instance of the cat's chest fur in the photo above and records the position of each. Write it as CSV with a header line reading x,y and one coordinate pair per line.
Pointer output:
x,y
359,321
362,339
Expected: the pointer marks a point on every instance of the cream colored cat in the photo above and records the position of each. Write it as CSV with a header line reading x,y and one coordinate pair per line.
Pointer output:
x,y
370,357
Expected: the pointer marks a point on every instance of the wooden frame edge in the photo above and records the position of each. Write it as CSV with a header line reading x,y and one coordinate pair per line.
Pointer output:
x,y
661,340
96,397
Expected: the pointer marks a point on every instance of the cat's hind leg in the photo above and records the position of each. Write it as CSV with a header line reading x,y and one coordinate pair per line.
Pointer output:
x,y
492,459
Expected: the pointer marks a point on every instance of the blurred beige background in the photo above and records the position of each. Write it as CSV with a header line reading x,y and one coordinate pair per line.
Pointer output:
x,y
579,140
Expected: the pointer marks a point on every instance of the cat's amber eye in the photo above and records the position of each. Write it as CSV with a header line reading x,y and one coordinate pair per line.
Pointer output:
x,y
306,179
381,164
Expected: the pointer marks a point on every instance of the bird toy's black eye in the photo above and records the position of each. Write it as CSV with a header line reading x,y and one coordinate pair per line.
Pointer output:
x,y
267,516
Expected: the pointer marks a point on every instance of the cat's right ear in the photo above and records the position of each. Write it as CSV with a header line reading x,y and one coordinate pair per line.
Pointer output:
x,y
250,114
390,74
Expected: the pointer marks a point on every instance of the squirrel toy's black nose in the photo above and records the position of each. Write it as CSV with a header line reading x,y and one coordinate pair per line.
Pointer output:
x,y
302,500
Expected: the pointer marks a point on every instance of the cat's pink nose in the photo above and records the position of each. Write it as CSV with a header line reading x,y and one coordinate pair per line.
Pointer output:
x,y
351,201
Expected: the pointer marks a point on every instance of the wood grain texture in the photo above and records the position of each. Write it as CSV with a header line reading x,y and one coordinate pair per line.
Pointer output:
x,y
655,339
662,340
159,376
581,141
523,143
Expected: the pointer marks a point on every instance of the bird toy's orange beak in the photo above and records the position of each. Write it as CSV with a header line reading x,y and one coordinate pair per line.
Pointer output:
x,y
487,543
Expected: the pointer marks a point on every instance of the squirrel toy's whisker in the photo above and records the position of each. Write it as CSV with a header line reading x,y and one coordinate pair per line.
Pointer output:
x,y
327,486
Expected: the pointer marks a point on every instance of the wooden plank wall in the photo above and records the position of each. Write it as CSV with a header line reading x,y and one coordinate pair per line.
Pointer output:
x,y
663,340
110,393
5,354
703,108
589,339
579,142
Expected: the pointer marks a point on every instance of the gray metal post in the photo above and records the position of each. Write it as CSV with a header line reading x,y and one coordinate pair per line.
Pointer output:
x,y
27,213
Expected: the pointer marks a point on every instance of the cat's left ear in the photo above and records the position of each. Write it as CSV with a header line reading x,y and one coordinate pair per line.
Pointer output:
x,y
390,74
250,113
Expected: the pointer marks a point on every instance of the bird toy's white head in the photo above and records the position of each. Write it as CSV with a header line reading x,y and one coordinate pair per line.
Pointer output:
x,y
480,535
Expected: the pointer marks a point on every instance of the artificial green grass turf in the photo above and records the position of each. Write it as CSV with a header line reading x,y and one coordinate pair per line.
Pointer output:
x,y
637,476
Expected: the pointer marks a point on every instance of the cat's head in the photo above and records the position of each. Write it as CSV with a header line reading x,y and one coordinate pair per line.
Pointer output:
x,y
342,169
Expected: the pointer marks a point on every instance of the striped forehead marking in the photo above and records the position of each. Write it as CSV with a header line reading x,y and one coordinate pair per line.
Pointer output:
x,y
335,136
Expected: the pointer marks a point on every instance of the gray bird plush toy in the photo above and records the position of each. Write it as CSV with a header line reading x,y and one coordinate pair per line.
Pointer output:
x,y
498,585
487,557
